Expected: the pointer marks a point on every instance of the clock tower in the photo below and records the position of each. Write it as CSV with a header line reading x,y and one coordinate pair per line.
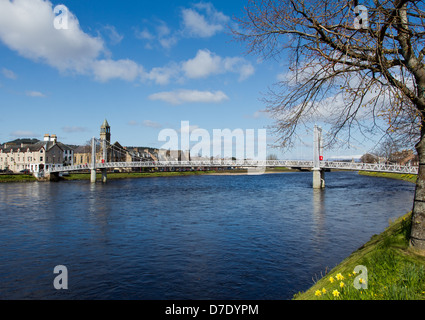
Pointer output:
x,y
105,132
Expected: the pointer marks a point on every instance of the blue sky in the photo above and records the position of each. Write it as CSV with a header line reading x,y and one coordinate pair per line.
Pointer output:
x,y
143,65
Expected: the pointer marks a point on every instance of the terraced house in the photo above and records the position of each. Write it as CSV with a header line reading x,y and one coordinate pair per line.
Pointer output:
x,y
36,157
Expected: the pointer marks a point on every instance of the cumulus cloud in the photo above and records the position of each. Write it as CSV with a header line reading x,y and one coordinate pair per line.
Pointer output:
x,y
189,96
203,20
104,70
207,63
26,26
203,65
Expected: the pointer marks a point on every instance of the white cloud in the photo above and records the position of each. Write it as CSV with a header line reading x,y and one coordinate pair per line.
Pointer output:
x,y
35,94
163,75
204,64
105,70
113,34
26,26
144,34
203,20
9,74
189,96
207,63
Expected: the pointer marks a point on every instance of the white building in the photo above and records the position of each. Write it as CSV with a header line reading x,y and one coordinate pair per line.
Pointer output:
x,y
37,157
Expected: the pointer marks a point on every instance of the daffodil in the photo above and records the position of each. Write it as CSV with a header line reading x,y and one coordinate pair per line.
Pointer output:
x,y
339,276
361,280
331,279
318,293
342,284
335,293
323,290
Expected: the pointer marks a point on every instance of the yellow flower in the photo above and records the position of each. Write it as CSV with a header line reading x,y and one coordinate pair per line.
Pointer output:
x,y
335,293
323,290
354,272
339,276
342,284
318,293
331,279
361,280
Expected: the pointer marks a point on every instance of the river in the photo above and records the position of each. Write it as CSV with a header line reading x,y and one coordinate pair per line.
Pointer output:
x,y
188,237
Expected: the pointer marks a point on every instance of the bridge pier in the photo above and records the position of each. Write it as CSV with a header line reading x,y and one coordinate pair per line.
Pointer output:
x,y
104,175
93,175
318,178
318,173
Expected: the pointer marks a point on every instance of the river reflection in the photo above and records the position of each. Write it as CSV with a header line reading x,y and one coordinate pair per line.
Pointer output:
x,y
198,237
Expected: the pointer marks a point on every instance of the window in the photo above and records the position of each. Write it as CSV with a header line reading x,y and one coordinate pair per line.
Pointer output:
x,y
41,151
41,158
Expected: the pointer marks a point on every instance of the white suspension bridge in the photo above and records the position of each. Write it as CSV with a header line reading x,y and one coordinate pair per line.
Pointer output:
x,y
318,165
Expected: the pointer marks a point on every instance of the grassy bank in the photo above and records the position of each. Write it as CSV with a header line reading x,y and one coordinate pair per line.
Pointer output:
x,y
132,175
394,270
398,176
17,178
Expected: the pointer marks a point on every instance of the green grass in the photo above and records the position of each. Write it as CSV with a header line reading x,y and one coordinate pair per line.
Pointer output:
x,y
16,178
395,271
398,176
128,175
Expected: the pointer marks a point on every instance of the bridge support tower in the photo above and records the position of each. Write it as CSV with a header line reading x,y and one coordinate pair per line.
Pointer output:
x,y
93,161
318,172
105,158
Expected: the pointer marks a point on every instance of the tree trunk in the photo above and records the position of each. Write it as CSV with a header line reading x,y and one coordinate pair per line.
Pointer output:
x,y
417,236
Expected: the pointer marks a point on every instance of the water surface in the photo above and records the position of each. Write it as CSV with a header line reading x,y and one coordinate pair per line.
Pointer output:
x,y
192,237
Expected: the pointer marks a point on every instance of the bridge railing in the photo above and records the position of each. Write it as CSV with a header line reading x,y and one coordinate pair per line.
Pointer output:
x,y
194,164
380,167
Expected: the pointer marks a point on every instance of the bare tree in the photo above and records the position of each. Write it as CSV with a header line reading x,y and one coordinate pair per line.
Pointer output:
x,y
369,158
272,157
387,148
359,67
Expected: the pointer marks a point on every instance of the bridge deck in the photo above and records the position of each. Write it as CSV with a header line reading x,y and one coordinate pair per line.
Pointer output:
x,y
380,167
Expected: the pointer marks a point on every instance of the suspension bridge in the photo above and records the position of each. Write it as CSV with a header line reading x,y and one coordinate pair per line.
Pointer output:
x,y
100,149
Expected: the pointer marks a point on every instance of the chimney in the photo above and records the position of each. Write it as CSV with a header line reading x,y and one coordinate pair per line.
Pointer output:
x,y
47,137
54,138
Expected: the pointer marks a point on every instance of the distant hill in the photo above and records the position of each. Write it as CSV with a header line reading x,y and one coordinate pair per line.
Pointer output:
x,y
24,141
